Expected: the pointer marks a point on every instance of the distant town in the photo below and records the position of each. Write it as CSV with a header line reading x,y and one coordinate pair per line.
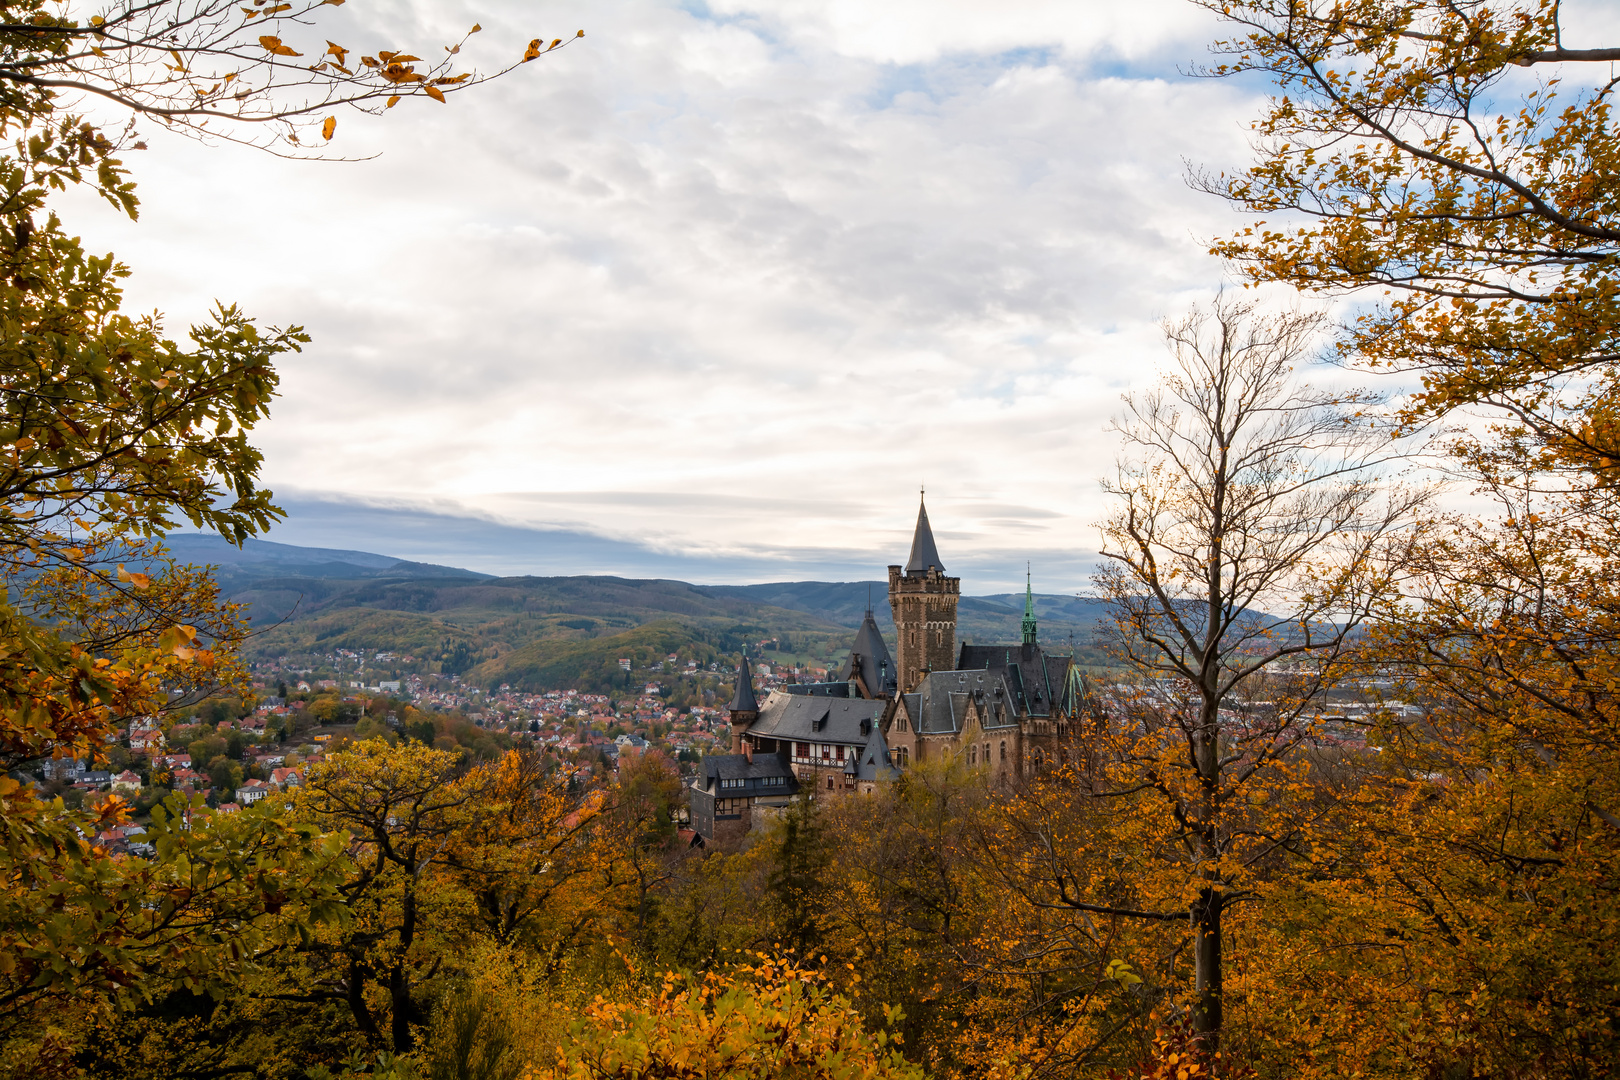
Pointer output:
x,y
234,752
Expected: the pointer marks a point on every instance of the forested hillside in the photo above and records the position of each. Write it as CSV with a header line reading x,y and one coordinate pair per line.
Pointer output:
x,y
567,632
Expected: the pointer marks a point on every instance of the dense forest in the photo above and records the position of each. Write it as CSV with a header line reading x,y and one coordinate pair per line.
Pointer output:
x,y
1208,880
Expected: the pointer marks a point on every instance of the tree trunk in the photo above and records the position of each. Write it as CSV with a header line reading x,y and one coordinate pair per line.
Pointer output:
x,y
1206,925
1206,910
356,991
399,983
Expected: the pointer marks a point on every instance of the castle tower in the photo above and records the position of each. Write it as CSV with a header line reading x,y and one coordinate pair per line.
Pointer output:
x,y
924,603
744,705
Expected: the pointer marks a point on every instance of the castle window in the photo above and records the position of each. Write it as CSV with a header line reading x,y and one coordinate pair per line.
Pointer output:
x,y
973,755
829,783
801,750
1003,751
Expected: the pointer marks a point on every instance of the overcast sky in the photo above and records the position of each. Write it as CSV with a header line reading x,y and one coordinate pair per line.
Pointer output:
x,y
713,291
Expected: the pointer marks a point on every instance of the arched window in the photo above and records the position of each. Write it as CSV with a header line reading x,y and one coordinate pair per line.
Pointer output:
x,y
973,755
1003,751
829,783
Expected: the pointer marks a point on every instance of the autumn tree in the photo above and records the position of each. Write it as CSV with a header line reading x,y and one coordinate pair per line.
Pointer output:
x,y
261,74
770,1018
1459,158
1253,530
525,841
401,806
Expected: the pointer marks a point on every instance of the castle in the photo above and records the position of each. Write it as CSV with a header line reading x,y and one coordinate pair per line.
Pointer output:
x,y
1002,709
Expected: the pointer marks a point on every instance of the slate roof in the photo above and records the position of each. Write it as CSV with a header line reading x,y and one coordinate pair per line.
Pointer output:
x,y
744,700
806,718
872,655
818,689
719,767
923,552
1038,682
940,704
873,761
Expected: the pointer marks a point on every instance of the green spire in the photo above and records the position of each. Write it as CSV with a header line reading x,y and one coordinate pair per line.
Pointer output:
x,y
1029,609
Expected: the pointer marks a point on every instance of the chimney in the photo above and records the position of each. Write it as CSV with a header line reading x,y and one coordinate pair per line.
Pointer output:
x,y
748,751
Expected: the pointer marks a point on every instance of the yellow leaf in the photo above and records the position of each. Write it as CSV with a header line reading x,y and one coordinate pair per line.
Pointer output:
x,y
97,20
273,45
140,581
334,3
475,29
405,58
393,100
328,126
434,93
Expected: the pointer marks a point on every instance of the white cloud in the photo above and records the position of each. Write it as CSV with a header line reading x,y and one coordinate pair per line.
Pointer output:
x,y
819,254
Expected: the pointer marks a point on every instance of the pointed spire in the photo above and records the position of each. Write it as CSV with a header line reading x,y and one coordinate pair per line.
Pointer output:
x,y
1029,608
744,700
923,552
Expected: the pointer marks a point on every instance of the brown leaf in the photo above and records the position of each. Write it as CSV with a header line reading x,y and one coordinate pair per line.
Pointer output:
x,y
393,100
435,93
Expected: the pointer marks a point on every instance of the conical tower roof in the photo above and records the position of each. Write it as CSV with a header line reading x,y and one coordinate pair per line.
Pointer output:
x,y
744,700
923,552
877,669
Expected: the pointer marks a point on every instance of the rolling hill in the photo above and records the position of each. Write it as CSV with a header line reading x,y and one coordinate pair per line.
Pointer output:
x,y
552,631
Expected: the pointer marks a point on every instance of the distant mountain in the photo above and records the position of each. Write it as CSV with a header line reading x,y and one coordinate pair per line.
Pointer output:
x,y
979,618
535,630
263,558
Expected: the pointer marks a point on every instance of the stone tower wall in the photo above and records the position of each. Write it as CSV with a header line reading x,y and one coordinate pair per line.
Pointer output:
x,y
924,607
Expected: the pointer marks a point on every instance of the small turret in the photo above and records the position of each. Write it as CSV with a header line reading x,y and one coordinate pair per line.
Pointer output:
x,y
744,705
1029,609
